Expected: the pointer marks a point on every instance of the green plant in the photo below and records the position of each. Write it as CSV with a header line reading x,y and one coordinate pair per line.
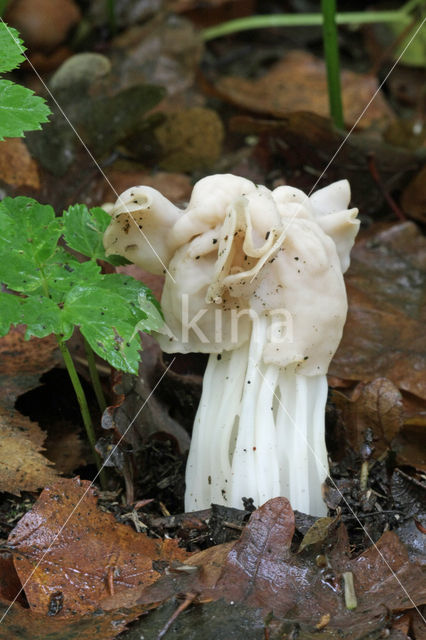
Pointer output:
x,y
56,292
20,109
49,289
111,13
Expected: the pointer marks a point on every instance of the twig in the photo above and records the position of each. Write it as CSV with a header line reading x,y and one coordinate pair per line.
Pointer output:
x,y
350,595
189,599
371,159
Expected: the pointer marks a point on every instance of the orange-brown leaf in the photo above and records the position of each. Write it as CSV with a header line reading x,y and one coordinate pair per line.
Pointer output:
x,y
66,544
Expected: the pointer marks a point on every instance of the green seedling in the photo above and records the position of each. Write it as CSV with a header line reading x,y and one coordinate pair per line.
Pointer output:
x,y
51,291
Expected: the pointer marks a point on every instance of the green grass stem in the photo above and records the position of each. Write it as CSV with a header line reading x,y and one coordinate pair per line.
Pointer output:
x,y
3,6
111,13
331,54
309,20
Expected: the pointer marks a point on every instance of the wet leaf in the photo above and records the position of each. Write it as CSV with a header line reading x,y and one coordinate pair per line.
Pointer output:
x,y
375,407
210,621
261,572
384,333
298,83
22,623
66,544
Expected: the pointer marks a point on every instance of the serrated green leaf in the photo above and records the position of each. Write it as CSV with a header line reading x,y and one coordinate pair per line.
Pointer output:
x,y
9,311
11,48
63,272
107,325
84,230
20,110
42,317
154,318
29,233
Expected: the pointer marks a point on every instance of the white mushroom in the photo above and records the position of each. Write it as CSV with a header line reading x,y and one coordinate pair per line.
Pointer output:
x,y
255,280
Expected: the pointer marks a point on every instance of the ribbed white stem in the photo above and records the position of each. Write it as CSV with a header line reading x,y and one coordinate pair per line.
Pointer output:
x,y
258,432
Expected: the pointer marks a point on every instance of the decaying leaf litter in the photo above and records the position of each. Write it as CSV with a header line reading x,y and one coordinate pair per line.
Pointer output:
x,y
260,121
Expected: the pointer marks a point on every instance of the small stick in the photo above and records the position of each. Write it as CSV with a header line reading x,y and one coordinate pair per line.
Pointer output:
x,y
363,478
189,599
350,595
376,177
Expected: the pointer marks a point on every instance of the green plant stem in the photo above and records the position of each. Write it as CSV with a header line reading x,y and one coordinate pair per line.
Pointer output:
x,y
110,6
3,6
307,20
331,53
94,376
82,401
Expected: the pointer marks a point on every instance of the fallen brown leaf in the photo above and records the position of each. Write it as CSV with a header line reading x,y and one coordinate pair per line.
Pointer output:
x,y
66,545
384,333
174,186
261,572
43,24
22,623
376,406
413,199
17,168
22,467
298,82
22,362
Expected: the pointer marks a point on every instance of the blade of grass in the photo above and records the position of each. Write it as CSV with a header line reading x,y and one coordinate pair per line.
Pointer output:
x,y
3,6
331,53
110,8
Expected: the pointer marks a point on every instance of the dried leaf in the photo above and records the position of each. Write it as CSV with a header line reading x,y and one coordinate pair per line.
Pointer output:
x,y
35,20
22,363
174,186
317,533
376,406
413,199
298,83
66,544
22,468
17,168
384,333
